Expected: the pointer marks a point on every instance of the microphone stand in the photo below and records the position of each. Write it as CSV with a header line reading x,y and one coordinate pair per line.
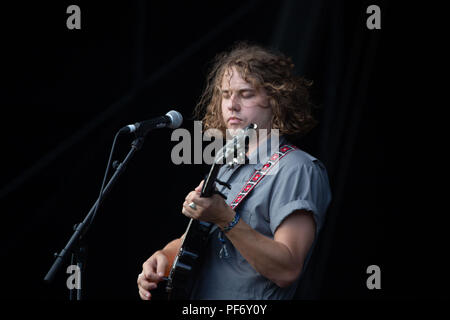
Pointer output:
x,y
75,245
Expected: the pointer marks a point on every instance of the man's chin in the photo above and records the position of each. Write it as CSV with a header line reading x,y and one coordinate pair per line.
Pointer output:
x,y
233,130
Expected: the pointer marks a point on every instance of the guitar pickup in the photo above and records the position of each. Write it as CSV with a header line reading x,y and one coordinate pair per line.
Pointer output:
x,y
189,255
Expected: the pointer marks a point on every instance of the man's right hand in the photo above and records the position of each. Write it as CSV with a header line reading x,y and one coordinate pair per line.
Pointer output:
x,y
152,273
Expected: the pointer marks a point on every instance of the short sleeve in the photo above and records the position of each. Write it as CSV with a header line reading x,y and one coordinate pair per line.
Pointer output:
x,y
300,186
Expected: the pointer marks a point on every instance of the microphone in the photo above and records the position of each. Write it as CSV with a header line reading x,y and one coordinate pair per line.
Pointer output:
x,y
173,119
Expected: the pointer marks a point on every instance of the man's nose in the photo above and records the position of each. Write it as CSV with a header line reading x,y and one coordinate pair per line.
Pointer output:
x,y
235,104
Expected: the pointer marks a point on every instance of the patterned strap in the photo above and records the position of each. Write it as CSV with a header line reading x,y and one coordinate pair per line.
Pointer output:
x,y
259,174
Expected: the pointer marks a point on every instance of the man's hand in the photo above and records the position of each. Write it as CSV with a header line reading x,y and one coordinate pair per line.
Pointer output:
x,y
213,209
152,273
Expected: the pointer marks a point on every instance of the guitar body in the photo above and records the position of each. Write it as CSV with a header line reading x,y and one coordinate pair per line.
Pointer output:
x,y
184,268
185,265
182,271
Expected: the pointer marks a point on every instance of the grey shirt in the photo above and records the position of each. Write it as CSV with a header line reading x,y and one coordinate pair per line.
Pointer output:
x,y
300,182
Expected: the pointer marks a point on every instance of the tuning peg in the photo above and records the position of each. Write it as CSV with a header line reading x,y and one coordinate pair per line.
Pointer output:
x,y
228,152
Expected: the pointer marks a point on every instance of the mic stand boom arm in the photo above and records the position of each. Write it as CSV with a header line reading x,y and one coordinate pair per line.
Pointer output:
x,y
81,228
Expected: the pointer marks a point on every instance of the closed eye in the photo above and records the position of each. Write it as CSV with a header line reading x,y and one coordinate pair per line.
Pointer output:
x,y
244,93
247,94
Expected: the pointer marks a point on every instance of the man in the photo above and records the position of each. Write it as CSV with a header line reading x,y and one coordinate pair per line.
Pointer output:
x,y
259,250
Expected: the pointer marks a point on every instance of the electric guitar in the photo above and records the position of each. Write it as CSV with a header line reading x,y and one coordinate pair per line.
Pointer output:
x,y
179,281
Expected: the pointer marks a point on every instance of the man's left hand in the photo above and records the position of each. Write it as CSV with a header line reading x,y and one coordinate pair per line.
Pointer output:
x,y
213,209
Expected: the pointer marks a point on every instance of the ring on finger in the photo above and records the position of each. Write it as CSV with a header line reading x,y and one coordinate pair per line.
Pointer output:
x,y
192,205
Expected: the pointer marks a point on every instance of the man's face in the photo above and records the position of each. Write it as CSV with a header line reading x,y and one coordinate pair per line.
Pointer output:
x,y
242,104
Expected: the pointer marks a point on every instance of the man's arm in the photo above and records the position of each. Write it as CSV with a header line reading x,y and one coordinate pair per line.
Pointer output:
x,y
170,251
157,266
281,259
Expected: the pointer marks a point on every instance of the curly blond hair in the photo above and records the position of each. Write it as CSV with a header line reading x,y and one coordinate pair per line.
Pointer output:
x,y
288,94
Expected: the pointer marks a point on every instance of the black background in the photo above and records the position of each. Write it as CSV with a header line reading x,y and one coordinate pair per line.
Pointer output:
x,y
65,93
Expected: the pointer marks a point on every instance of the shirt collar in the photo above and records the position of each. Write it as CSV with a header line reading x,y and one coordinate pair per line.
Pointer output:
x,y
264,151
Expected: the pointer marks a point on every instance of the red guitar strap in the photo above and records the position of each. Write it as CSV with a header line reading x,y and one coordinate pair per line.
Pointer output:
x,y
261,173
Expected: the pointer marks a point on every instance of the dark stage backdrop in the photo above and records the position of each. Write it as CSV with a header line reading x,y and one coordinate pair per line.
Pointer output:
x,y
66,92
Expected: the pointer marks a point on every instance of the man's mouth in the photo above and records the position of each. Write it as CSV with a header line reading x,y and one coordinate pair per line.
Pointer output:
x,y
234,120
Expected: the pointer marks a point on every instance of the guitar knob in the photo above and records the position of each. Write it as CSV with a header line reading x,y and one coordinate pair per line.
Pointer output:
x,y
189,254
183,267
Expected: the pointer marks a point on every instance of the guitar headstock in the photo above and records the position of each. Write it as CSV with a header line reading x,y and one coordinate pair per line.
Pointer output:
x,y
235,149
232,153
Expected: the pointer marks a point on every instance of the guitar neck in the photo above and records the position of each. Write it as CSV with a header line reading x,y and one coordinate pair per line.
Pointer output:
x,y
207,191
209,185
